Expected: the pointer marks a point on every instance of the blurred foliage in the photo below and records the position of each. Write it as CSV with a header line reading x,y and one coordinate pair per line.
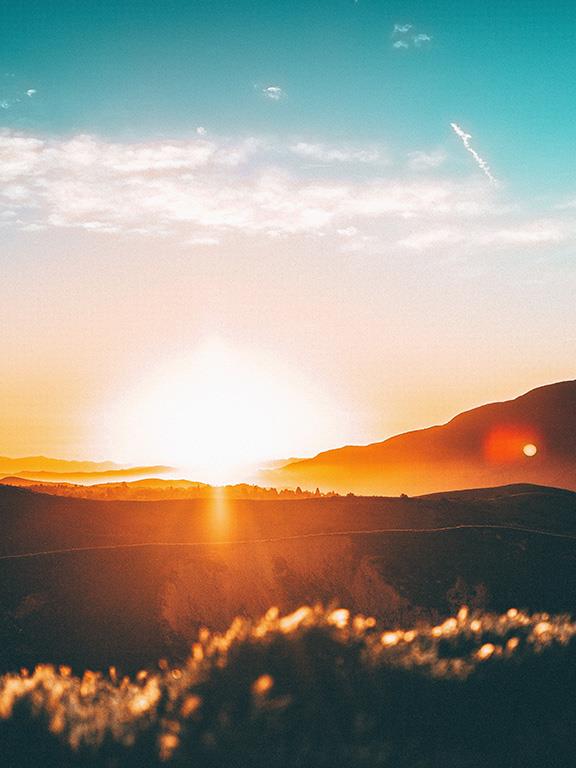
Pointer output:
x,y
317,688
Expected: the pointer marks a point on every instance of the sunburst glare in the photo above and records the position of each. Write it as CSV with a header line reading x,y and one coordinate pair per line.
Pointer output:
x,y
219,412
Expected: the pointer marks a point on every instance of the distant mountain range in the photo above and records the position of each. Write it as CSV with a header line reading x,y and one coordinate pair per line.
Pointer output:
x,y
531,439
44,469
46,464
153,489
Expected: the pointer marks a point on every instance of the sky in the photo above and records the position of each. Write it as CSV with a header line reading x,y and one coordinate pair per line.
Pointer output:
x,y
278,227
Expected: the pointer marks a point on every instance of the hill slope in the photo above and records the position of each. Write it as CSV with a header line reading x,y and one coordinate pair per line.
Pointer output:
x,y
98,582
480,447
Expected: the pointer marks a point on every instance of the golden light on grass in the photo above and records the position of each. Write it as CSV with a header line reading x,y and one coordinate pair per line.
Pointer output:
x,y
102,712
340,617
486,651
220,514
263,685
530,449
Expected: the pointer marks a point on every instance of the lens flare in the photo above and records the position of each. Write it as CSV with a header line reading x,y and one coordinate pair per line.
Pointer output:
x,y
507,443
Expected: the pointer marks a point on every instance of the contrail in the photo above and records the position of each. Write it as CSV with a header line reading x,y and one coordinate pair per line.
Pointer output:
x,y
480,162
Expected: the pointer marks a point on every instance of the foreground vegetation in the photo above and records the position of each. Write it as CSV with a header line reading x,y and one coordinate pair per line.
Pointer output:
x,y
315,688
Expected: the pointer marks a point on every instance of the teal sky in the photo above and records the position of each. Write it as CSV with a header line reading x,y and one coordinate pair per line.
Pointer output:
x,y
145,68
280,181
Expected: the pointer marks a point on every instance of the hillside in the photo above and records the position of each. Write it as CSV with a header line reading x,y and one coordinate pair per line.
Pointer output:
x,y
480,447
97,582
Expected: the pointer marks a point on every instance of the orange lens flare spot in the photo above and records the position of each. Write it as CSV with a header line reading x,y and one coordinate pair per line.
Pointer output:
x,y
510,443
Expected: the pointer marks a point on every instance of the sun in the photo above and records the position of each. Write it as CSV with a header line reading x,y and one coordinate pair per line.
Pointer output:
x,y
218,413
530,449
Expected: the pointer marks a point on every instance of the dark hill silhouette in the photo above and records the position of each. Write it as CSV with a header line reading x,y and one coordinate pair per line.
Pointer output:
x,y
93,582
480,447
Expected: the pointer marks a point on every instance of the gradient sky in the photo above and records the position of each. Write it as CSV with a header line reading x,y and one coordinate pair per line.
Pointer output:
x,y
261,202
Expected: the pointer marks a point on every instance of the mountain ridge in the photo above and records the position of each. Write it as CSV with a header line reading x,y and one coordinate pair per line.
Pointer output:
x,y
478,447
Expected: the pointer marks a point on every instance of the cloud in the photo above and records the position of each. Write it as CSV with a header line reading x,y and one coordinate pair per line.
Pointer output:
x,y
566,205
344,153
203,190
208,188
405,36
19,156
273,92
13,93
480,162
533,233
421,39
206,241
347,232
425,161
431,239
478,235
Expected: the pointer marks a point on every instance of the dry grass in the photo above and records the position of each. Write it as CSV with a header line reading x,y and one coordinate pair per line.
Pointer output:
x,y
314,688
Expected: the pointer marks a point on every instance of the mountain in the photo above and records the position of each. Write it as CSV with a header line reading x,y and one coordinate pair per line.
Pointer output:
x,y
41,468
481,447
91,477
93,583
45,464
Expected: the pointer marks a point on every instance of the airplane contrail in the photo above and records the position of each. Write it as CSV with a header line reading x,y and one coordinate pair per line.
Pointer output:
x,y
480,162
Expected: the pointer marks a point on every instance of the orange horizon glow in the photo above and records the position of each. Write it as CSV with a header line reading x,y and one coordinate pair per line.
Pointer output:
x,y
218,411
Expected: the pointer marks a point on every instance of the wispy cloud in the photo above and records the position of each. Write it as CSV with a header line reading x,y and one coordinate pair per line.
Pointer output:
x,y
406,36
427,239
273,92
421,39
517,233
203,190
339,153
347,232
425,161
530,233
480,162
13,93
